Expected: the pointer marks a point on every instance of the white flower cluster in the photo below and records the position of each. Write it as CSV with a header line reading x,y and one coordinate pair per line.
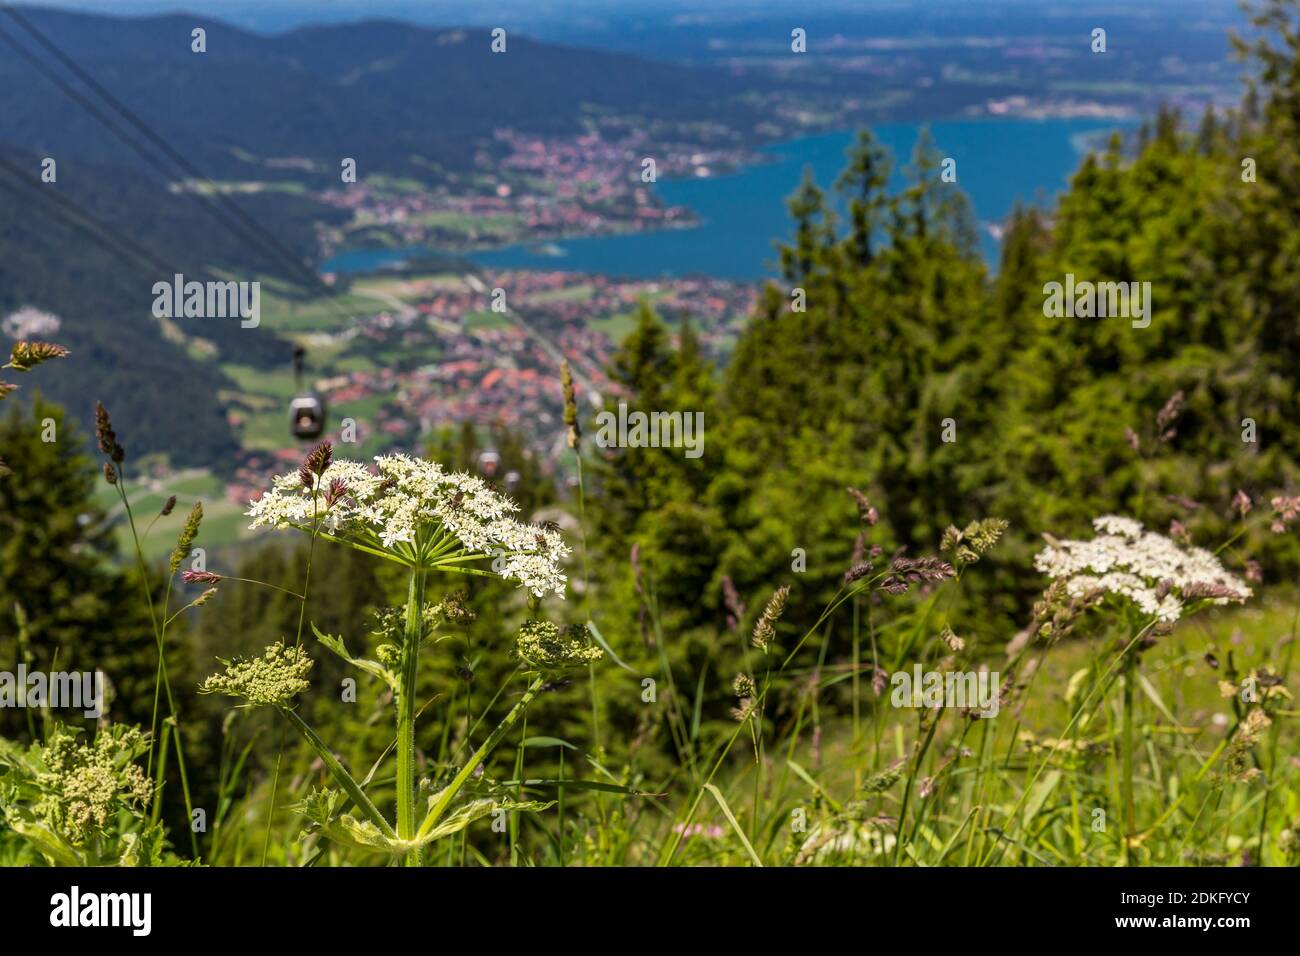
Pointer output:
x,y
1146,568
390,504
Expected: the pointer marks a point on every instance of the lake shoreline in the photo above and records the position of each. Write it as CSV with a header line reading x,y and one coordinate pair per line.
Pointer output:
x,y
731,235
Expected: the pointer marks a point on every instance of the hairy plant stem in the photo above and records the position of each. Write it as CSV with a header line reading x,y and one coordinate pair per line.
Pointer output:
x,y
406,711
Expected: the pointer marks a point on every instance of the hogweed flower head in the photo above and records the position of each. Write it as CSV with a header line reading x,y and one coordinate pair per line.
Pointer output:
x,y
546,646
25,356
275,678
1147,569
415,513
83,786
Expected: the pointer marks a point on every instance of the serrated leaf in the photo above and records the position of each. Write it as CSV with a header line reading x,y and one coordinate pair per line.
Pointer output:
x,y
467,813
374,668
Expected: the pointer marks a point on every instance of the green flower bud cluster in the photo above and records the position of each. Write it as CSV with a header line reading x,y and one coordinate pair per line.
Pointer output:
x,y
276,677
548,646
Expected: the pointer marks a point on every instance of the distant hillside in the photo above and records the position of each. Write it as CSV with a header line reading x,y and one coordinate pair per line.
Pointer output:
x,y
162,390
397,98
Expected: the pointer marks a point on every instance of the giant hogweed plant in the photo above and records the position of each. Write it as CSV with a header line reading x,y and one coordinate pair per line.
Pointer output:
x,y
412,513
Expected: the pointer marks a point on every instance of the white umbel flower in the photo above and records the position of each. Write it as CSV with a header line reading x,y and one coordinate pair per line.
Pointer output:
x,y
417,513
1148,569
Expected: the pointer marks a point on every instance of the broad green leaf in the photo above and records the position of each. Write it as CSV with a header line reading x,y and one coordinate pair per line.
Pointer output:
x,y
48,843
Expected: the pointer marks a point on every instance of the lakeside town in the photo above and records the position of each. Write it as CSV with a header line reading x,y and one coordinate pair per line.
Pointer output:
x,y
437,355
541,189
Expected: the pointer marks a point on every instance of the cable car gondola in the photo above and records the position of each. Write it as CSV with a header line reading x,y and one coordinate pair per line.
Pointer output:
x,y
307,409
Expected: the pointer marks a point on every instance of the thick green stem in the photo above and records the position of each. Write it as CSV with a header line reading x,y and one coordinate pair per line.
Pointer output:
x,y
445,798
406,712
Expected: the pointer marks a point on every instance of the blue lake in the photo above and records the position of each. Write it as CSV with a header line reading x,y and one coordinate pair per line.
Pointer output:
x,y
743,214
